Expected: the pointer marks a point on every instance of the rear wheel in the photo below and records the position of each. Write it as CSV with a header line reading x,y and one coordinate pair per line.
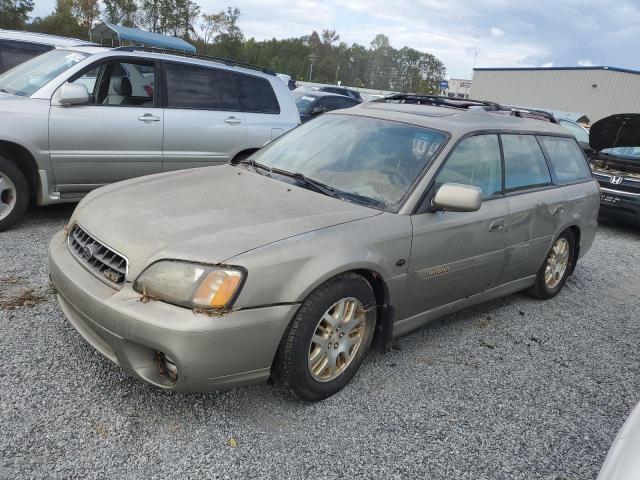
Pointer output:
x,y
556,268
14,194
327,339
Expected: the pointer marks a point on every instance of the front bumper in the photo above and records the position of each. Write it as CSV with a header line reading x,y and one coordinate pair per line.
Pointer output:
x,y
210,352
620,203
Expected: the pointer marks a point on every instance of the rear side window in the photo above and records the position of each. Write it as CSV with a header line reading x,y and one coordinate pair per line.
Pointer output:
x,y
475,161
15,53
200,88
524,163
256,94
566,159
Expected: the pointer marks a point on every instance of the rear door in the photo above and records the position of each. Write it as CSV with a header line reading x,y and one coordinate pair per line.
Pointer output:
x,y
458,254
204,122
537,207
261,109
116,136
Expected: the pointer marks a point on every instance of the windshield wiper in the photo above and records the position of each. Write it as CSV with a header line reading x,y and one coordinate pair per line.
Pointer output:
x,y
256,166
310,183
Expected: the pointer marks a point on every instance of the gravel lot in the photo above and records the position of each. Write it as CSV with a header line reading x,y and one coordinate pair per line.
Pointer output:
x,y
515,388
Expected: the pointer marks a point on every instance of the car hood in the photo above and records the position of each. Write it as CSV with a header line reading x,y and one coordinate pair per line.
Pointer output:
x,y
620,130
623,462
205,215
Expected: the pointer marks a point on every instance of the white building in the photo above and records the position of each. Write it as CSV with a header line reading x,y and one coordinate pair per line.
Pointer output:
x,y
595,91
458,87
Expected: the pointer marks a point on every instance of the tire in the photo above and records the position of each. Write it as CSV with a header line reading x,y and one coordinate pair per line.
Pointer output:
x,y
544,288
14,194
299,361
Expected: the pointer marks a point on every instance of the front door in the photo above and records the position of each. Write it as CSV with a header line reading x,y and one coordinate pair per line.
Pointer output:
x,y
117,135
204,122
458,254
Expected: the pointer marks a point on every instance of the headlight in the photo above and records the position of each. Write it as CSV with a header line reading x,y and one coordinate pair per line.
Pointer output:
x,y
190,284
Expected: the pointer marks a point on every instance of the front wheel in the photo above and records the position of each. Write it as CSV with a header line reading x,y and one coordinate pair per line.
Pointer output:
x,y
14,194
326,342
556,268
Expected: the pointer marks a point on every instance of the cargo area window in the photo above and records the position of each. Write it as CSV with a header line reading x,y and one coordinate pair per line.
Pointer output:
x,y
256,94
566,158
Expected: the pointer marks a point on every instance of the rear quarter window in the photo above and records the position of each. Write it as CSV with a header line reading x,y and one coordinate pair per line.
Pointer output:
x,y
256,94
566,158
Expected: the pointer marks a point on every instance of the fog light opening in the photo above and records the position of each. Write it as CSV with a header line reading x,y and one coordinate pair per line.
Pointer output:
x,y
166,366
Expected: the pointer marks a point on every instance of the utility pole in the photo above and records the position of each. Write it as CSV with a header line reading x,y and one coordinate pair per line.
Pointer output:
x,y
312,58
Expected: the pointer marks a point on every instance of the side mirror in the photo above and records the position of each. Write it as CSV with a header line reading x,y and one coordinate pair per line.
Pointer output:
x,y
455,197
74,94
319,109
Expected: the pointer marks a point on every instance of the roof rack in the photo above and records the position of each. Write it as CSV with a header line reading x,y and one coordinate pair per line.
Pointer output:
x,y
466,104
226,61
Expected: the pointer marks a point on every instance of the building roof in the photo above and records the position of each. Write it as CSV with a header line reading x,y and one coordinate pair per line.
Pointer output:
x,y
41,38
137,36
527,69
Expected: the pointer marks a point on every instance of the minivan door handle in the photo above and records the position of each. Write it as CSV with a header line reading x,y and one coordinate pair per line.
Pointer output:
x,y
233,120
147,118
496,225
558,210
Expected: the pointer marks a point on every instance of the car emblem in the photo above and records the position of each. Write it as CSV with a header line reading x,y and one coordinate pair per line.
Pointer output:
x,y
87,253
616,180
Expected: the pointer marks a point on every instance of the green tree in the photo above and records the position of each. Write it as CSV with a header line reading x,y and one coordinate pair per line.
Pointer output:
x,y
15,13
61,22
87,12
121,12
222,35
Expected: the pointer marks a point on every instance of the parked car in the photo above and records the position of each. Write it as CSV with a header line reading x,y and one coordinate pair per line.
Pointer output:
x,y
623,462
313,103
615,163
347,92
350,230
74,119
17,47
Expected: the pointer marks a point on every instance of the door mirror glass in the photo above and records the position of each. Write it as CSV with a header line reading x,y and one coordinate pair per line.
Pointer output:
x,y
74,94
455,197
318,109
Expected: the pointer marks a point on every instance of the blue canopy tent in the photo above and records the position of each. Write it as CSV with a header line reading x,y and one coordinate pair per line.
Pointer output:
x,y
133,36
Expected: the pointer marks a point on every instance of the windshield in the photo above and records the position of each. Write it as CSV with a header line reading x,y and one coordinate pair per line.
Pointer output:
x,y
303,101
579,132
365,158
631,153
27,78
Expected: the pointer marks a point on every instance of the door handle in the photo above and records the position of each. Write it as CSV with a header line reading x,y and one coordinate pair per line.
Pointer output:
x,y
147,117
496,225
233,121
557,210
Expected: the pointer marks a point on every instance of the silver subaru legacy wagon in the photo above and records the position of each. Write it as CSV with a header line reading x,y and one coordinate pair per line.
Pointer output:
x,y
350,230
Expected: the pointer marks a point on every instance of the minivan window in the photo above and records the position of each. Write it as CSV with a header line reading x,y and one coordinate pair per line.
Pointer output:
x,y
29,77
475,161
366,160
256,94
566,159
524,163
200,88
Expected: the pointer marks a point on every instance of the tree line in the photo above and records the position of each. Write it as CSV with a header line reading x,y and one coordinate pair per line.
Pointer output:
x,y
318,57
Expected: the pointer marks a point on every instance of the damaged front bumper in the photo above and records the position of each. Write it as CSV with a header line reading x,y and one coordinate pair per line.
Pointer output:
x,y
204,352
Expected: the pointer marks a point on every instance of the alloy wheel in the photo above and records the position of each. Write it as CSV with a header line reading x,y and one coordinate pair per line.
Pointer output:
x,y
557,262
8,195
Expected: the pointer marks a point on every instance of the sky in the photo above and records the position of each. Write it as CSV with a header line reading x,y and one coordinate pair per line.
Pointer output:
x,y
493,33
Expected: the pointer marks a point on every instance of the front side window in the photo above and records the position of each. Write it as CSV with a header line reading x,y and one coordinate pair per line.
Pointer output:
x,y
200,88
375,162
256,94
29,77
524,163
476,162
566,159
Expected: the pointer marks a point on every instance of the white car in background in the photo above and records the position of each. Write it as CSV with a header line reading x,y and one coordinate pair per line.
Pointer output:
x,y
623,460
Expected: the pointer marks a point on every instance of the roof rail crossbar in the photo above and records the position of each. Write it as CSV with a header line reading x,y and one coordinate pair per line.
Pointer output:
x,y
466,104
169,51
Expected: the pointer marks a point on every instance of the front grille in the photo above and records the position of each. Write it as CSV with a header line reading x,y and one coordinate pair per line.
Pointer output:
x,y
625,186
105,263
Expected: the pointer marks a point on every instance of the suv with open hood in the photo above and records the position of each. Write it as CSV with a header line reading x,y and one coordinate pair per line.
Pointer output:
x,y
615,162
76,118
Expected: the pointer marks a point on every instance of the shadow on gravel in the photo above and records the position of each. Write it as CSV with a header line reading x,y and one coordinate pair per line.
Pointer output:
x,y
620,225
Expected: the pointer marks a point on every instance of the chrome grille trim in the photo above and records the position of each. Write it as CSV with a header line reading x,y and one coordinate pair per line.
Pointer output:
x,y
105,263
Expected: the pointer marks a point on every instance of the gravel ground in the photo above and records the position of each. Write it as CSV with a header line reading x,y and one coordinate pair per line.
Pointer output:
x,y
515,388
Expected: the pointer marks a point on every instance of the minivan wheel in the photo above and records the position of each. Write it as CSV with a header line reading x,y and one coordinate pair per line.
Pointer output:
x,y
327,339
556,268
14,194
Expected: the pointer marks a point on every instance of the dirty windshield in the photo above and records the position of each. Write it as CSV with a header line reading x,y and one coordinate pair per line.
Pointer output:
x,y
27,78
362,157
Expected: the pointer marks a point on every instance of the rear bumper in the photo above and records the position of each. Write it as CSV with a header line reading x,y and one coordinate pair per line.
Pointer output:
x,y
210,353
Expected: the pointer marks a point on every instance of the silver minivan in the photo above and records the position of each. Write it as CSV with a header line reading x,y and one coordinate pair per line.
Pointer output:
x,y
74,119
361,225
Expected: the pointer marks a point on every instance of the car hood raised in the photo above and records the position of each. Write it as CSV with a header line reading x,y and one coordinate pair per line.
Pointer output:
x,y
620,130
205,215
